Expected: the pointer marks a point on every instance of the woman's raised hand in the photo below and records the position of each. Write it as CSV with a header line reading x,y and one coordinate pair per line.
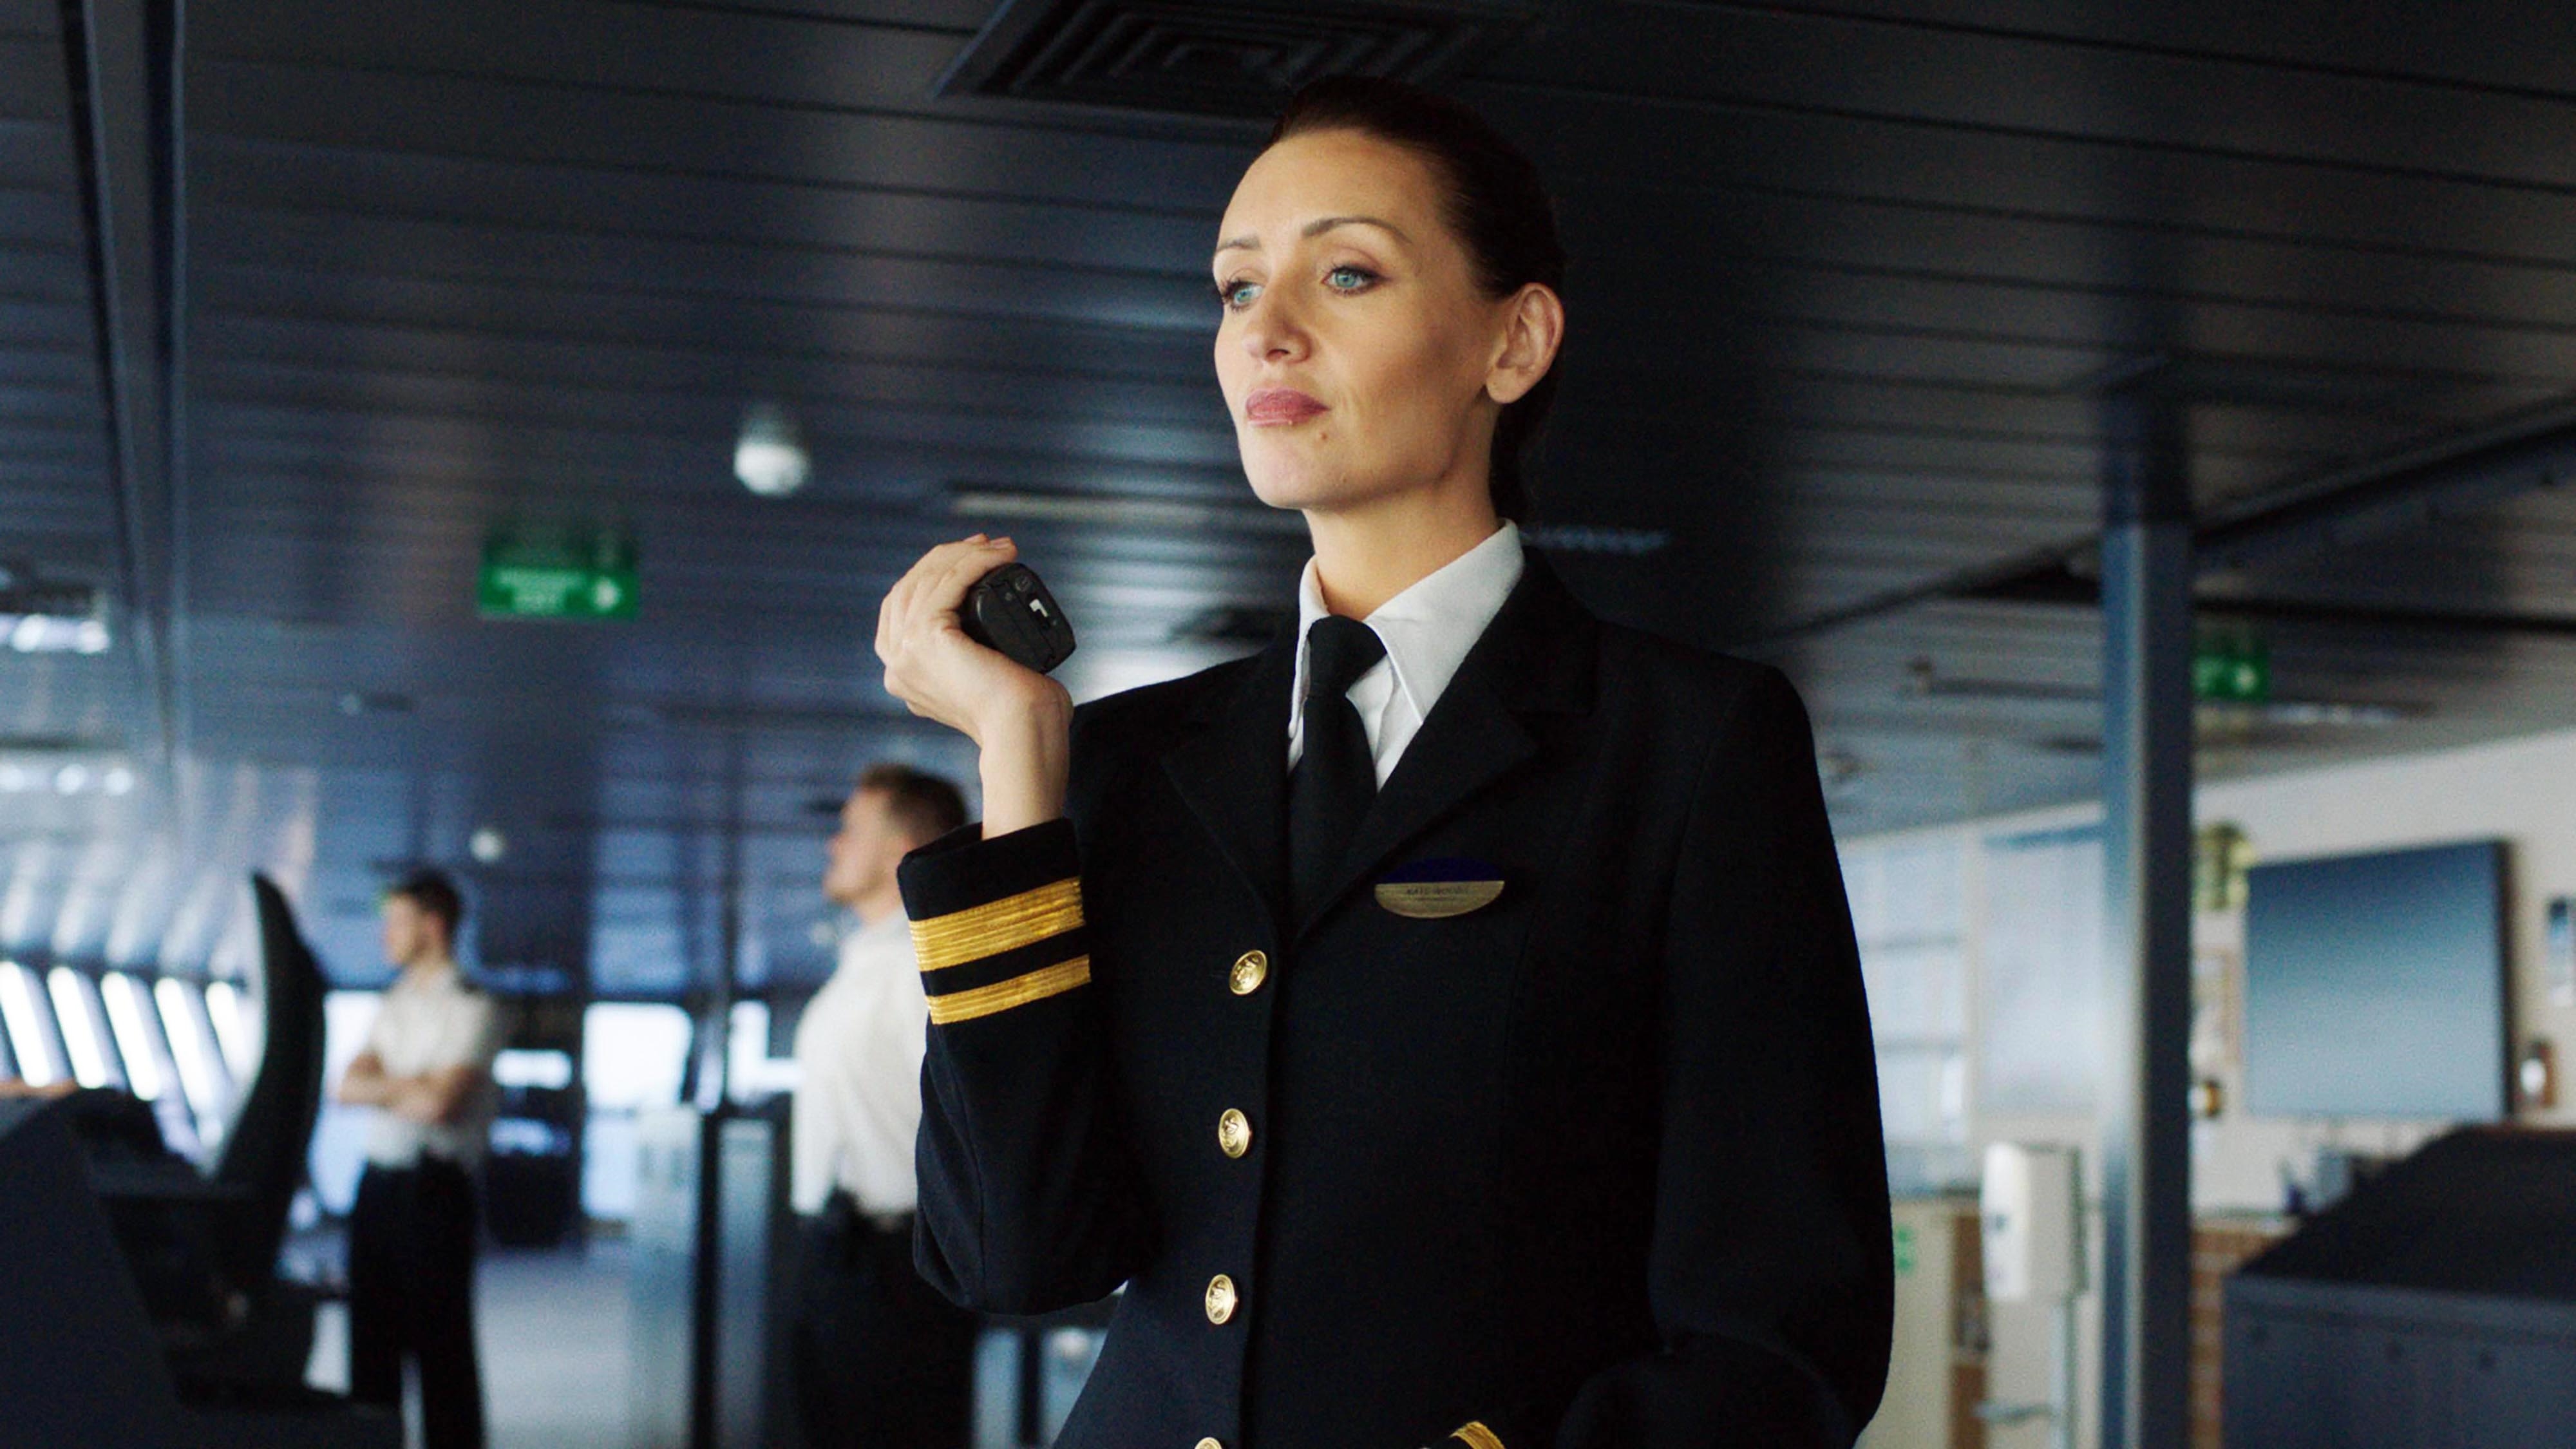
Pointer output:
x,y
932,666
1019,718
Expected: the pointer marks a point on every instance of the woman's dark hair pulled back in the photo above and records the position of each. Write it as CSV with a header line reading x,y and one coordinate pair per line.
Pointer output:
x,y
1495,203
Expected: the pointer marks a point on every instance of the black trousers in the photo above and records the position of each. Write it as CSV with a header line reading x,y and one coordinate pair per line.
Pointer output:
x,y
411,1293
881,1360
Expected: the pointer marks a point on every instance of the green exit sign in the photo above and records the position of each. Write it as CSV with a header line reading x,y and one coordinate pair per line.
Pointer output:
x,y
2231,667
546,571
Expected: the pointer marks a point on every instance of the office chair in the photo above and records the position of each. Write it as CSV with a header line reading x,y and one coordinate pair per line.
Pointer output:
x,y
268,1337
265,1153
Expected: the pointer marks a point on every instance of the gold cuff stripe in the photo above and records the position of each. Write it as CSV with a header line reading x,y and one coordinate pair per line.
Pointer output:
x,y
1477,1436
1038,985
1004,925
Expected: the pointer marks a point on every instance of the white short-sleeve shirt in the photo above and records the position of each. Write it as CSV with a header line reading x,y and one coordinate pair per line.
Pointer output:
x,y
430,1021
858,1087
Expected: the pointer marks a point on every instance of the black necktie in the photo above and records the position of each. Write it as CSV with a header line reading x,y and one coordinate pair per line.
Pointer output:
x,y
1336,777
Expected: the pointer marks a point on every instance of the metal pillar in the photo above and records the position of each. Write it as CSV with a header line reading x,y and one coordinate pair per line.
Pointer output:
x,y
2146,799
122,75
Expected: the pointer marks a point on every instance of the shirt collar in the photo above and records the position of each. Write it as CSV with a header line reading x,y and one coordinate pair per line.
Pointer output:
x,y
429,976
1429,628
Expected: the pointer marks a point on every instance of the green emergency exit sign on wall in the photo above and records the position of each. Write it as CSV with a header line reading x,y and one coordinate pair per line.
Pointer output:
x,y
2231,667
554,571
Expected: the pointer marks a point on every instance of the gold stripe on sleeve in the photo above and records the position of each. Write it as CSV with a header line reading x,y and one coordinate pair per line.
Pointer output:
x,y
1477,1436
1004,925
1038,985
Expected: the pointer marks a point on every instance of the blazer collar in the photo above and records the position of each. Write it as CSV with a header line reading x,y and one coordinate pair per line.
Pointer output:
x,y
1231,766
1536,658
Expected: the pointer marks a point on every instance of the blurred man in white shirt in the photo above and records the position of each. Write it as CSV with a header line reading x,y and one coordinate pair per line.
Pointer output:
x,y
882,1361
427,1069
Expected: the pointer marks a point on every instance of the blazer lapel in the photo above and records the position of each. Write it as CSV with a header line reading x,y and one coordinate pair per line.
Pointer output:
x,y
1536,657
1232,769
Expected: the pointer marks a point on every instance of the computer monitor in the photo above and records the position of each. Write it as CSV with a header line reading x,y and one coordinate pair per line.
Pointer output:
x,y
2375,985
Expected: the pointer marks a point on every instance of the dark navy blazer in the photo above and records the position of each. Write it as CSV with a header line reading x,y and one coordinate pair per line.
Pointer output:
x,y
1595,1165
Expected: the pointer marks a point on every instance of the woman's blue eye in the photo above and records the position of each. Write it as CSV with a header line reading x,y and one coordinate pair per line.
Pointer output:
x,y
1349,279
1237,295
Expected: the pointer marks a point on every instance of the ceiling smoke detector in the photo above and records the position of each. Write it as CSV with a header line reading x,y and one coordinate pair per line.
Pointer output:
x,y
1238,61
770,456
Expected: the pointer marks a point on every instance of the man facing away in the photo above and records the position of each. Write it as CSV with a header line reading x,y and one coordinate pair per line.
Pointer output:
x,y
427,1070
881,1360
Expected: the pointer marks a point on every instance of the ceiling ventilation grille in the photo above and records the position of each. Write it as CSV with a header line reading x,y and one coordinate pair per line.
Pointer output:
x,y
1240,60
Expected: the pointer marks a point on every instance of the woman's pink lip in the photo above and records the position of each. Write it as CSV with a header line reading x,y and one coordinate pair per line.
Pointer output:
x,y
1280,405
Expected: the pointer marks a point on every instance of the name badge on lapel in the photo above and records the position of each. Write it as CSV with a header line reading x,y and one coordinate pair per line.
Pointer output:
x,y
1432,890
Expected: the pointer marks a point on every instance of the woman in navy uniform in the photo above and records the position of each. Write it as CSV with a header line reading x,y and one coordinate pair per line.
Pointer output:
x,y
1445,1023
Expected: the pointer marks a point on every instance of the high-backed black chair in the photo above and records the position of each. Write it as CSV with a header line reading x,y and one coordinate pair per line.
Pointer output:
x,y
262,1348
265,1152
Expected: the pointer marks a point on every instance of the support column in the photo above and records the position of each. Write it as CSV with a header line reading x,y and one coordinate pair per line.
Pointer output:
x,y
122,74
2147,809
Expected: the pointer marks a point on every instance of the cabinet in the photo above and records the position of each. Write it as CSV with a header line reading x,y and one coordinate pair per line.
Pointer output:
x,y
1936,1373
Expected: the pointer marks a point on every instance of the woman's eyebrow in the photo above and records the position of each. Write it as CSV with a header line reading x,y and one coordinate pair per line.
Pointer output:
x,y
1324,224
1251,243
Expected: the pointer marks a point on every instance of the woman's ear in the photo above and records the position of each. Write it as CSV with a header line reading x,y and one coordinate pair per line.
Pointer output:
x,y
1532,328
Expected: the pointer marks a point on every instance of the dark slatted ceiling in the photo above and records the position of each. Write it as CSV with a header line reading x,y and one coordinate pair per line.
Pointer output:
x,y
1851,282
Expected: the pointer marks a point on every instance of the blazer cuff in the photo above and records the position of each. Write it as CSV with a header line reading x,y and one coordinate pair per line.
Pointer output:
x,y
996,924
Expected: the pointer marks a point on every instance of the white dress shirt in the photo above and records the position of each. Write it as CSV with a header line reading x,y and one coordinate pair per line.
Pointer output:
x,y
430,1021
858,1086
1427,629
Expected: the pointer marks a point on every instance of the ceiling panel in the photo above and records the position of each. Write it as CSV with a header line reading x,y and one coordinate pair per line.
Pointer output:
x,y
2475,47
851,216
461,116
532,257
1800,61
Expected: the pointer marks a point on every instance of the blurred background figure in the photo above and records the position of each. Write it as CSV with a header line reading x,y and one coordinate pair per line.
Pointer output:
x,y
882,1361
427,1070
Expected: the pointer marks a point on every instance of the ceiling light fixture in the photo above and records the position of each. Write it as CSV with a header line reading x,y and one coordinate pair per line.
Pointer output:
x,y
356,703
770,456
1924,681
1190,515
1116,510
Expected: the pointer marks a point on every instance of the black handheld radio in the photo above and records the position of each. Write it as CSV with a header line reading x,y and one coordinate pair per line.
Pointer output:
x,y
1010,611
